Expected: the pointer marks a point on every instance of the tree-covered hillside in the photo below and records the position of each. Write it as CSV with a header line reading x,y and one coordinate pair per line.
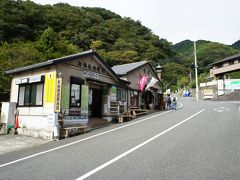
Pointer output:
x,y
236,45
207,52
32,33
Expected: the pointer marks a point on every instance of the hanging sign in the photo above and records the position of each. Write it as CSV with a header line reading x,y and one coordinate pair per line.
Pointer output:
x,y
21,81
90,74
84,100
142,82
36,78
58,95
50,79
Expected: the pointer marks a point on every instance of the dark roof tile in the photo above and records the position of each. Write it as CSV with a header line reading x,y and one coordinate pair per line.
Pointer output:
x,y
125,68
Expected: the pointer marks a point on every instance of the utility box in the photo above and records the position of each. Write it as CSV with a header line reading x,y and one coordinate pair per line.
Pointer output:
x,y
7,115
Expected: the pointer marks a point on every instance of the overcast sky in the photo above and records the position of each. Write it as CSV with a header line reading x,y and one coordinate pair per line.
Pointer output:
x,y
176,20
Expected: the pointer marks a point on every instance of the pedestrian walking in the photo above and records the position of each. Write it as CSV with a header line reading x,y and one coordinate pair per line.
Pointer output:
x,y
174,101
168,102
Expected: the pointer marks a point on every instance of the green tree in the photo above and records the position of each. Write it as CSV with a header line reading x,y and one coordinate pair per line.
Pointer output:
x,y
183,82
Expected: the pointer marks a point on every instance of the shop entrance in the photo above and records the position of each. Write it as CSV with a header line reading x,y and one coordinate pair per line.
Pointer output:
x,y
148,99
96,103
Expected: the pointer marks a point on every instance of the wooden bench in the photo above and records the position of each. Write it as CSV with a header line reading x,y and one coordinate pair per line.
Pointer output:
x,y
138,112
66,131
125,117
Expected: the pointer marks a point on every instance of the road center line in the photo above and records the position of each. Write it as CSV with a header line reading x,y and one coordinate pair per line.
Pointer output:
x,y
239,111
134,148
81,140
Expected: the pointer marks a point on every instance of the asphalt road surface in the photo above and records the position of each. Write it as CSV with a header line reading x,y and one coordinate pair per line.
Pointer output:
x,y
198,141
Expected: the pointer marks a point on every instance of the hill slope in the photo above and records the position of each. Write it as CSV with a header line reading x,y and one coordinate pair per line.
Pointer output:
x,y
207,52
236,45
32,33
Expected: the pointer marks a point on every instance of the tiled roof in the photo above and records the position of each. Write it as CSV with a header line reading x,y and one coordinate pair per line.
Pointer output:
x,y
49,62
66,58
125,68
226,59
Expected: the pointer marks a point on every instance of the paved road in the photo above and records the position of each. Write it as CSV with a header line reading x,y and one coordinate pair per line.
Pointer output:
x,y
199,141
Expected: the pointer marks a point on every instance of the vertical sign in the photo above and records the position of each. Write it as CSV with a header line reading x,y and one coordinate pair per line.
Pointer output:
x,y
84,100
58,94
65,96
220,87
50,79
142,82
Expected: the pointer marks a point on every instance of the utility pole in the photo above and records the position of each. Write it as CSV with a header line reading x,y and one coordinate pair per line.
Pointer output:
x,y
190,75
196,67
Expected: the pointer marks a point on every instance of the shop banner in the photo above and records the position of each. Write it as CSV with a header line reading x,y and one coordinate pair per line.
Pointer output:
x,y
84,100
232,84
220,87
151,83
142,82
75,120
50,79
58,95
65,96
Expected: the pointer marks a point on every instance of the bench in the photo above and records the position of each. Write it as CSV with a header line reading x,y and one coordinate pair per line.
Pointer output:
x,y
66,131
125,117
138,112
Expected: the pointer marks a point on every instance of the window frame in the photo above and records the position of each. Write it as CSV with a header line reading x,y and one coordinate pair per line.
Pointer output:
x,y
30,94
121,94
77,81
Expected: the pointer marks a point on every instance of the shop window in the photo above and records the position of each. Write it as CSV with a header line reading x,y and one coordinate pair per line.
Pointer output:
x,y
75,96
89,67
121,94
31,94
98,69
118,94
103,71
134,98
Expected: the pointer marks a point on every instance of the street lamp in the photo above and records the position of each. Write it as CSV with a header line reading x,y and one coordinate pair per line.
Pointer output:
x,y
159,71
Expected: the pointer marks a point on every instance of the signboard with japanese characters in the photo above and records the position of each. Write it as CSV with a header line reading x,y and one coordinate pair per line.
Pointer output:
x,y
58,94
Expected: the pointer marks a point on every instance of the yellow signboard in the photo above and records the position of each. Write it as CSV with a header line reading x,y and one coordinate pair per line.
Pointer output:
x,y
50,81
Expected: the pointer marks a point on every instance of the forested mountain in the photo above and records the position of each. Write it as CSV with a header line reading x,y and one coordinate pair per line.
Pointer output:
x,y
32,33
207,52
236,45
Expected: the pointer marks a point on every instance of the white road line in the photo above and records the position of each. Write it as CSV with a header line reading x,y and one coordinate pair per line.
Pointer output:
x,y
81,140
239,112
134,148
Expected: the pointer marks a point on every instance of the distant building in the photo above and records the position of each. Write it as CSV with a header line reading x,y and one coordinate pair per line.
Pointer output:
x,y
134,73
219,69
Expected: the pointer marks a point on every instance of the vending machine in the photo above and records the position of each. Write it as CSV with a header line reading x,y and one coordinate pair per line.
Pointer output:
x,y
7,116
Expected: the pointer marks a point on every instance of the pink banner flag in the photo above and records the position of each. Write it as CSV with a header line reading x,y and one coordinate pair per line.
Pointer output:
x,y
142,82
